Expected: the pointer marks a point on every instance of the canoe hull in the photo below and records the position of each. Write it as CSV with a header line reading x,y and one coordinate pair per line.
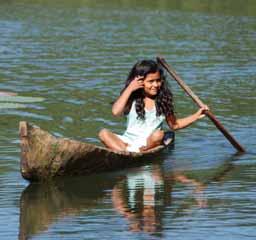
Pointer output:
x,y
44,156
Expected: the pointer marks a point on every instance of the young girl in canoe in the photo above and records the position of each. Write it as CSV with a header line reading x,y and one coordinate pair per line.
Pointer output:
x,y
147,101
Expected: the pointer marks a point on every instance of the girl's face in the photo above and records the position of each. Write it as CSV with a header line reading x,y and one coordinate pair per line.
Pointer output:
x,y
152,83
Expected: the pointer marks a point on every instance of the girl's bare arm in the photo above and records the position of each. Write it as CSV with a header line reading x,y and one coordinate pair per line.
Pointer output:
x,y
119,105
176,124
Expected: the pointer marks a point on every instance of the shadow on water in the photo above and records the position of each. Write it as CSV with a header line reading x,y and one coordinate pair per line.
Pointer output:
x,y
140,196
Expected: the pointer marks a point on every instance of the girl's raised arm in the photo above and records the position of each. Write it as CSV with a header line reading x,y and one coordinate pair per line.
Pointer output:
x,y
119,105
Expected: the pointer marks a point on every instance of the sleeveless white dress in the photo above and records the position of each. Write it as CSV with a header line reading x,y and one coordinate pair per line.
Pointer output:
x,y
138,130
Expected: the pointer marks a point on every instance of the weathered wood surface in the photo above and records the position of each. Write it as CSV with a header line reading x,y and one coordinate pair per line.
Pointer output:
x,y
44,156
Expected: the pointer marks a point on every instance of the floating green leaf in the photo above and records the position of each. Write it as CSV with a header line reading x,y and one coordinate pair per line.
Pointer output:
x,y
11,105
20,99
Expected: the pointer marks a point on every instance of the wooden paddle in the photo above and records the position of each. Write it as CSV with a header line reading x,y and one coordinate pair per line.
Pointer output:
x,y
200,104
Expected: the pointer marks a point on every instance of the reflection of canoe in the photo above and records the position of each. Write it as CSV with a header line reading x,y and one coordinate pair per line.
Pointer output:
x,y
44,156
42,204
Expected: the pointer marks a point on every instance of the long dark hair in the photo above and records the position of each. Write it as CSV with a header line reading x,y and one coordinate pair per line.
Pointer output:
x,y
164,98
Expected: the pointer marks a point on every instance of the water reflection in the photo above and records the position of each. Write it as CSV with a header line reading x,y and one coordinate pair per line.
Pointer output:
x,y
44,204
141,196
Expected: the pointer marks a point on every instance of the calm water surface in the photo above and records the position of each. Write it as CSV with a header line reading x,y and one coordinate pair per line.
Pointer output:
x,y
76,55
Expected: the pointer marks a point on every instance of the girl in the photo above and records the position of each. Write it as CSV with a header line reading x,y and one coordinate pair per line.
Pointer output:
x,y
146,101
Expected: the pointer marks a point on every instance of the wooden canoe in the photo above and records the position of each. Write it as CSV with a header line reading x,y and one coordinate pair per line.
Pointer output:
x,y
44,156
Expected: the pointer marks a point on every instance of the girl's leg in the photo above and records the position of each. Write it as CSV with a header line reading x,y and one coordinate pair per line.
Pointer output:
x,y
112,141
155,139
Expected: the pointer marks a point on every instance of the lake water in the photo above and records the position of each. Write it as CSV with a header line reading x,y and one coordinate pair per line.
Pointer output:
x,y
76,55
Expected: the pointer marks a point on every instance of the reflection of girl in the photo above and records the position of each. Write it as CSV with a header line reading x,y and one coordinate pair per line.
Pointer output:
x,y
147,101
140,200
149,183
142,197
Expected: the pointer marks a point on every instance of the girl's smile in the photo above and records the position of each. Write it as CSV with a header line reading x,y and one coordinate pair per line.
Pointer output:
x,y
152,83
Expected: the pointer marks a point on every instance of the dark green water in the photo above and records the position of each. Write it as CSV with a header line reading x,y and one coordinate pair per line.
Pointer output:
x,y
76,55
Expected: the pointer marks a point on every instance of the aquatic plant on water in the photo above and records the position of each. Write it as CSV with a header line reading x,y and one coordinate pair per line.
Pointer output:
x,y
11,102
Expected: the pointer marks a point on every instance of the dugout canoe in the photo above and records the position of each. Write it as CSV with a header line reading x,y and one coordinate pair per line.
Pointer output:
x,y
44,156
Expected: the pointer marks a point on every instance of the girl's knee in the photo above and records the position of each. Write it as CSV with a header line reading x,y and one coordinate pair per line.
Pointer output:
x,y
103,133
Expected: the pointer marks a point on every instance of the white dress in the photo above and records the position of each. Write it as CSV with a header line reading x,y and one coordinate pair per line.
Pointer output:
x,y
138,130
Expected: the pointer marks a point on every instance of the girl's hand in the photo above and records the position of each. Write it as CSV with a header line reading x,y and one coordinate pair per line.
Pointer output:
x,y
201,111
136,83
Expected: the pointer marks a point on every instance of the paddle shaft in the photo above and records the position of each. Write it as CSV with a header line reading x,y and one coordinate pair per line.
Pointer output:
x,y
197,100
